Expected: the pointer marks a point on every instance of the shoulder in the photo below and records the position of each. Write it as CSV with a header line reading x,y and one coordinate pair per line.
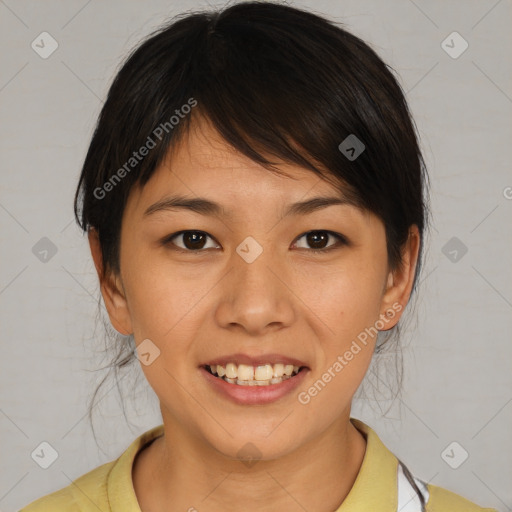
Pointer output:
x,y
106,487
443,500
436,499
87,493
383,478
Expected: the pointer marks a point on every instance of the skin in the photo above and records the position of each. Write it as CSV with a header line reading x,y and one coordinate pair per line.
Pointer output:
x,y
196,307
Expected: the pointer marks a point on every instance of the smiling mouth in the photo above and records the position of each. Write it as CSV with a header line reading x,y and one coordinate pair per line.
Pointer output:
x,y
246,375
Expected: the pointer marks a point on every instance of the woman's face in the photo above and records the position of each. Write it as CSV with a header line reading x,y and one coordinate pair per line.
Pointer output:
x,y
250,290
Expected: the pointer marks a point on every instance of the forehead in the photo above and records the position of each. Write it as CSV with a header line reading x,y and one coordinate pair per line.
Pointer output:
x,y
203,163
204,168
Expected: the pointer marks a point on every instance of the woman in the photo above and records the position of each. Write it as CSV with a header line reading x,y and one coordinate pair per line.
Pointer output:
x,y
255,202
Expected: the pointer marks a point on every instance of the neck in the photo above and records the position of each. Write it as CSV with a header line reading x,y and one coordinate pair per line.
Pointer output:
x,y
175,472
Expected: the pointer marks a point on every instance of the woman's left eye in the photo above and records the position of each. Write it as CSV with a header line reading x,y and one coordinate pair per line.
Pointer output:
x,y
319,238
194,241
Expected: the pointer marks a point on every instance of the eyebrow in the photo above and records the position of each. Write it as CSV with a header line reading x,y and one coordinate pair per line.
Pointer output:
x,y
207,207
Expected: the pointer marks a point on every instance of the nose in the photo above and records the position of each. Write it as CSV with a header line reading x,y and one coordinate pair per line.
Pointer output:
x,y
255,296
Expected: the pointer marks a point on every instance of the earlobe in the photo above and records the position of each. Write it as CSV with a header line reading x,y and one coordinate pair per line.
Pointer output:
x,y
111,289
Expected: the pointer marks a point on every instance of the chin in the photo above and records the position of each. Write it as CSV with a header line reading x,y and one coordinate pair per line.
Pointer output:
x,y
255,446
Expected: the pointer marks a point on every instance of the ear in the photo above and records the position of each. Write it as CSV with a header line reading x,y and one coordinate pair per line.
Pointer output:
x,y
111,289
399,282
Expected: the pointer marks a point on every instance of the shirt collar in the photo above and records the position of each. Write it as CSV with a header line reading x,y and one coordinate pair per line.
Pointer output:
x,y
375,487
120,491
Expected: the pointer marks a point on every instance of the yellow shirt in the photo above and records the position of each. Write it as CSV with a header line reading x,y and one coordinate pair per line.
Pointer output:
x,y
380,485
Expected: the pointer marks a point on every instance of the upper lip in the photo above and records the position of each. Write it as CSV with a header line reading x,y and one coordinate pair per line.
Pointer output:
x,y
259,360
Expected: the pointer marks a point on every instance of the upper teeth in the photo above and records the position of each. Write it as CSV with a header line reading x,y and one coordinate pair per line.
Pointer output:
x,y
246,372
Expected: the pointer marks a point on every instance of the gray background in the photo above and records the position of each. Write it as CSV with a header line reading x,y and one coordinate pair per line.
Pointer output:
x,y
458,350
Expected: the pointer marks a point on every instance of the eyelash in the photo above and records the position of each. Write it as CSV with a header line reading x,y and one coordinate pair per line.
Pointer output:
x,y
341,241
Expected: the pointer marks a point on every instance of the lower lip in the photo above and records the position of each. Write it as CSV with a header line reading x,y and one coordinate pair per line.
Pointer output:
x,y
254,395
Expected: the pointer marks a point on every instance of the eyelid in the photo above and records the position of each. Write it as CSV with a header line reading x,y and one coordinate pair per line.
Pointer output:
x,y
342,240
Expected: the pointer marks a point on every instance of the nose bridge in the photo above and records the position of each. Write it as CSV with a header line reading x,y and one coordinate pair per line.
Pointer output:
x,y
257,297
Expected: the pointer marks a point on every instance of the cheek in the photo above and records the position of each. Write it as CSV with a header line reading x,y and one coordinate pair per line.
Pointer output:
x,y
350,300
157,296
349,348
161,306
350,308
329,393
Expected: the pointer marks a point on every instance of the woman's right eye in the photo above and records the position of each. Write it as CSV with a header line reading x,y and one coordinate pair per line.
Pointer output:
x,y
193,241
